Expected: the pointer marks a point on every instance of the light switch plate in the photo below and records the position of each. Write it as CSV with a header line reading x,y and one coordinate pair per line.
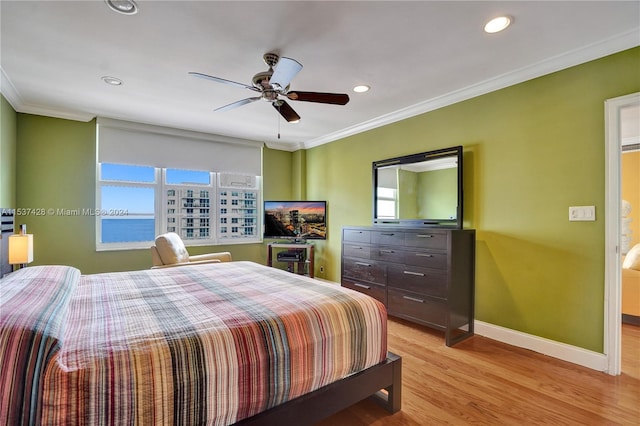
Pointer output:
x,y
582,213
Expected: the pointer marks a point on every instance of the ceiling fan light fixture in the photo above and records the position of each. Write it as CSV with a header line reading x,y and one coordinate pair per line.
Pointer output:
x,y
361,89
112,81
274,83
498,24
125,7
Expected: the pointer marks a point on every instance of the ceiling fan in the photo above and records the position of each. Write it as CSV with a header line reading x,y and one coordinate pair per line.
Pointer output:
x,y
273,85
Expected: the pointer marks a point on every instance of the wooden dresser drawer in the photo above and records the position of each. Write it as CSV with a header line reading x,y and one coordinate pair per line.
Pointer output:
x,y
418,280
376,291
431,239
389,254
356,250
426,259
388,237
356,235
364,270
432,312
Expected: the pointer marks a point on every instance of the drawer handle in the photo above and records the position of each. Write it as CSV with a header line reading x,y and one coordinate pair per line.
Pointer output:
x,y
356,248
424,255
363,264
388,234
387,251
413,299
425,236
362,286
414,273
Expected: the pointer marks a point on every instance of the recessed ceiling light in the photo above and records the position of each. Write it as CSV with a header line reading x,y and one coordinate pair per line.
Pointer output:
x,y
361,89
126,7
497,24
112,81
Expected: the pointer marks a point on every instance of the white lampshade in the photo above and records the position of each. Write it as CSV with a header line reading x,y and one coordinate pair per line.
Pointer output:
x,y
20,249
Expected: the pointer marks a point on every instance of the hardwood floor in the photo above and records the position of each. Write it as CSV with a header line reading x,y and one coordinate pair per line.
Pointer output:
x,y
485,382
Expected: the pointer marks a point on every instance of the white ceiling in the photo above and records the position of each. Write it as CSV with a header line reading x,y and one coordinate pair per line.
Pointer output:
x,y
415,55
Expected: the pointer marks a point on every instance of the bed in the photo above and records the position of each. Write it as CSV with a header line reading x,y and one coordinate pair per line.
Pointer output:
x,y
215,344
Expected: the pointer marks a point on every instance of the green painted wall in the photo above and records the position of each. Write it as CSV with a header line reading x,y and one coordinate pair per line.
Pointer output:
x,y
407,195
8,140
442,189
428,195
531,151
298,175
56,170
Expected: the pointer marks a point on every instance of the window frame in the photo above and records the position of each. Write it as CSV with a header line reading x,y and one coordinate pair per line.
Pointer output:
x,y
388,198
162,216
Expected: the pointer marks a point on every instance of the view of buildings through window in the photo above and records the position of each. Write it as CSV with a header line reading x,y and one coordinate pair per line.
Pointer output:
x,y
141,202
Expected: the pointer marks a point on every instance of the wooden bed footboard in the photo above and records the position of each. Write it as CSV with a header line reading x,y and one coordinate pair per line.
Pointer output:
x,y
382,383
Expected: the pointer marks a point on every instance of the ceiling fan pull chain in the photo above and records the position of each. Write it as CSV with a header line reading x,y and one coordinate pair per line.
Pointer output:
x,y
279,119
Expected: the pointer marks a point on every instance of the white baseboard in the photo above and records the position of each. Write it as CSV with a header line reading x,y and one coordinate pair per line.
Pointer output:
x,y
563,351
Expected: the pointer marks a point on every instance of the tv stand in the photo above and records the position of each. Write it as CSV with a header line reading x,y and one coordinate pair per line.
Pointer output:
x,y
301,266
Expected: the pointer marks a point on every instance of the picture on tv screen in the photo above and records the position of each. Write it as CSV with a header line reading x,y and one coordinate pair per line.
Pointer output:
x,y
295,219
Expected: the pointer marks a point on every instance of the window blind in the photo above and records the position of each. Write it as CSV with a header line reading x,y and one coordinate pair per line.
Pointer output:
x,y
145,145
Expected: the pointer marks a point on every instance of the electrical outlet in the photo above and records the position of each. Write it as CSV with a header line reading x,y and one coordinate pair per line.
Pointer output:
x,y
321,269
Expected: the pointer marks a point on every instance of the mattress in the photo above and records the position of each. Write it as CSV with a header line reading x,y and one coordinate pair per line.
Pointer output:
x,y
202,344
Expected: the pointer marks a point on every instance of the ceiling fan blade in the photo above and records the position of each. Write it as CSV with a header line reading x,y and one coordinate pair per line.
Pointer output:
x,y
286,111
222,80
283,73
323,98
236,104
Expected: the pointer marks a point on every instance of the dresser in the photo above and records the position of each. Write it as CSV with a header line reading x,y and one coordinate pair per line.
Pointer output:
x,y
423,275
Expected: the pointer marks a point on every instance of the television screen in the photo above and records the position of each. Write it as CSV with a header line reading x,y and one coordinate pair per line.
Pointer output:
x,y
295,219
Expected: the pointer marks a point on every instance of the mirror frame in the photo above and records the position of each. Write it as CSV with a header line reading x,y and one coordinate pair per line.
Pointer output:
x,y
418,158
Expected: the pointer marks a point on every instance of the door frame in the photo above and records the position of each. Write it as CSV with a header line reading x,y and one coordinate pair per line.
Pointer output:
x,y
612,267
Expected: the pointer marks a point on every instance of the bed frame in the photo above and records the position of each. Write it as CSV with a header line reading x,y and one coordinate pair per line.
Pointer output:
x,y
382,383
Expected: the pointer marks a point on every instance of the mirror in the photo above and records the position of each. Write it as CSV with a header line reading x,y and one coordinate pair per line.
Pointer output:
x,y
419,190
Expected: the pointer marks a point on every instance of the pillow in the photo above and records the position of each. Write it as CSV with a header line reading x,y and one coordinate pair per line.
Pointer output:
x,y
632,260
171,248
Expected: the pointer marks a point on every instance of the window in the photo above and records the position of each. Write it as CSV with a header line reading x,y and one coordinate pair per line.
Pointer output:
x,y
386,207
126,204
151,175
149,201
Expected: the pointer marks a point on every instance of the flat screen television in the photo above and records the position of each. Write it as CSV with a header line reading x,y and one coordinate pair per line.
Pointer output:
x,y
296,220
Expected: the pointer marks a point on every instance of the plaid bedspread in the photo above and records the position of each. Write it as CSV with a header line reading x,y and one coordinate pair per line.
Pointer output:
x,y
207,344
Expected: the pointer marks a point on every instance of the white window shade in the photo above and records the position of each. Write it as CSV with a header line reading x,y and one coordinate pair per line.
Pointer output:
x,y
132,143
388,178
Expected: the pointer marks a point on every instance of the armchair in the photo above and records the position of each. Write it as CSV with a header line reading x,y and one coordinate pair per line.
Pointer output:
x,y
169,251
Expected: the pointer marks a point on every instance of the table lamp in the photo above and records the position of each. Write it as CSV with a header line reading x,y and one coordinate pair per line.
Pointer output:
x,y
21,248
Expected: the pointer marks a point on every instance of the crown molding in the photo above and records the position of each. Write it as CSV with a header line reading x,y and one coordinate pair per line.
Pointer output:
x,y
8,90
285,146
16,101
623,41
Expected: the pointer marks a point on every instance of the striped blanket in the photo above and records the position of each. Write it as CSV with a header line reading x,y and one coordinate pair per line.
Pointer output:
x,y
208,344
